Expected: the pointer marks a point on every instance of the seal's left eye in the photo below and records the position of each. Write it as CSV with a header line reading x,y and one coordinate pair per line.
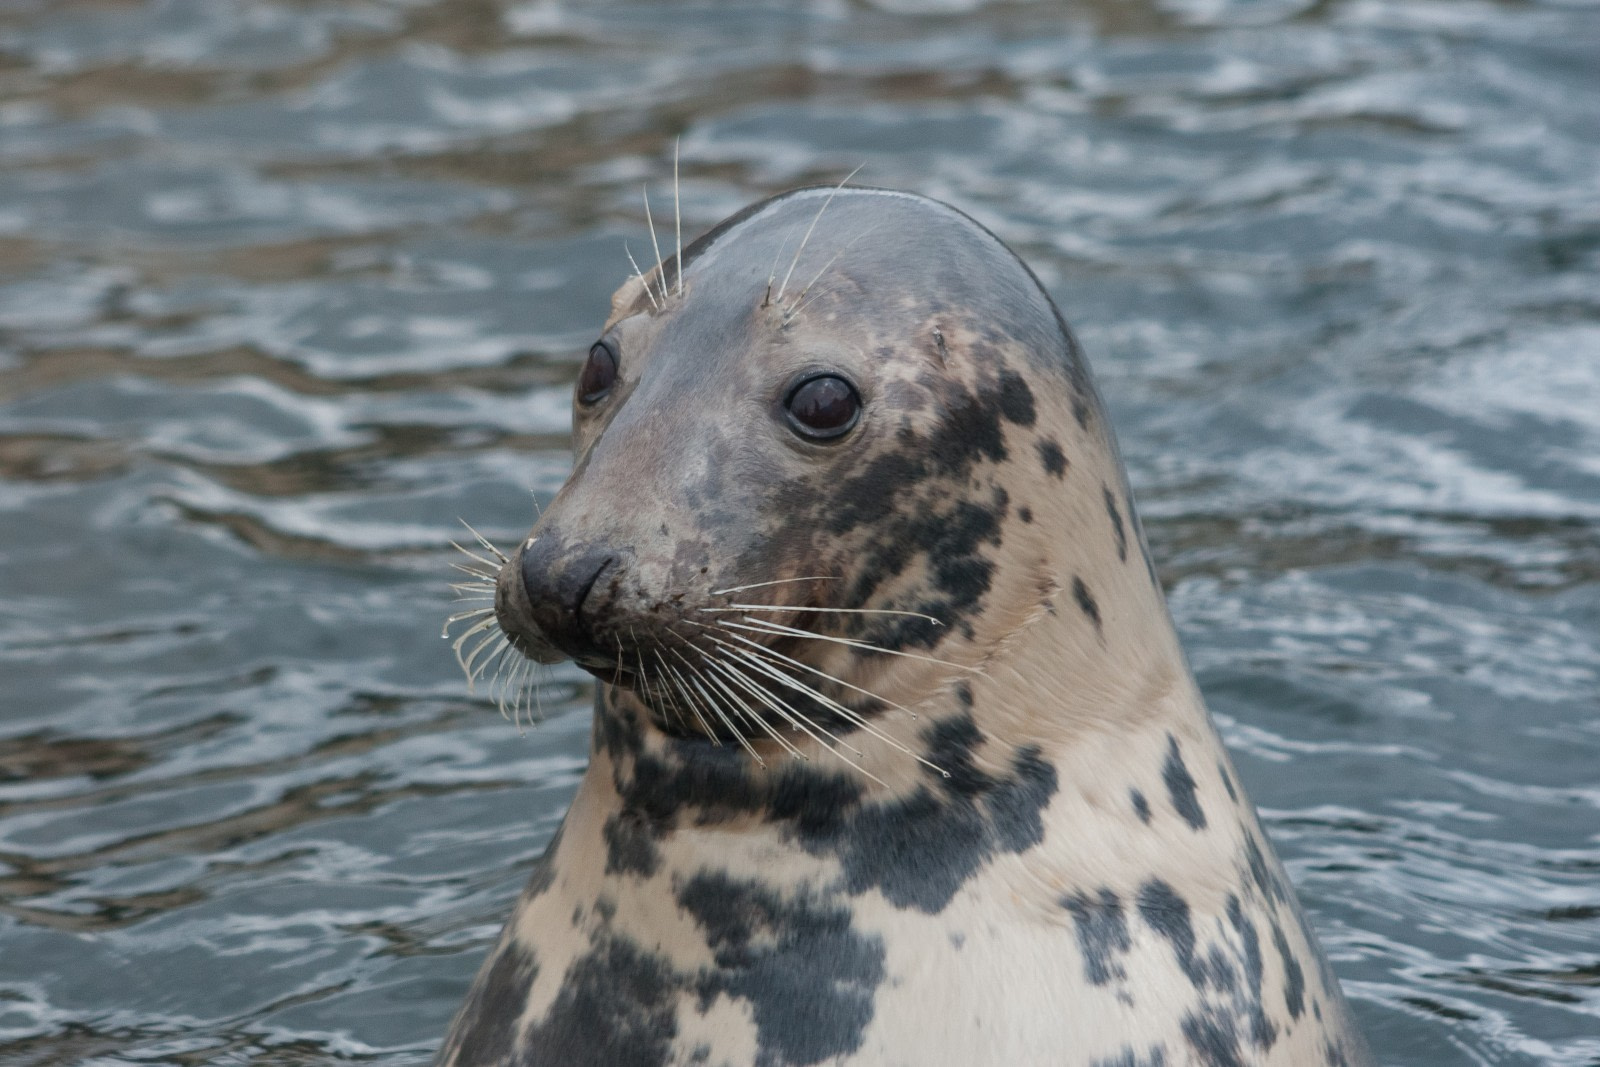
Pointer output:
x,y
599,374
823,407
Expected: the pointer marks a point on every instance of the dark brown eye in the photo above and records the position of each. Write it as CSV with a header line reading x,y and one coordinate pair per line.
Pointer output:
x,y
599,374
823,407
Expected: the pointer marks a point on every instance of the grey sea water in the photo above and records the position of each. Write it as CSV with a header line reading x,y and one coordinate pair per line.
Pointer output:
x,y
287,288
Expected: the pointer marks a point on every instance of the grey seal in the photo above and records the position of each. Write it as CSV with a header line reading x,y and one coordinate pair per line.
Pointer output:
x,y
896,758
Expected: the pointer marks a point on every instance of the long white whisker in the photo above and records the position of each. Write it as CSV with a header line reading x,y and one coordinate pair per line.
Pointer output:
x,y
744,742
661,271
477,628
765,726
682,688
482,540
830,611
458,616
780,581
471,657
785,284
819,672
692,682
677,210
637,273
664,689
474,556
485,576
822,735
763,626
824,741
800,301
772,275
853,716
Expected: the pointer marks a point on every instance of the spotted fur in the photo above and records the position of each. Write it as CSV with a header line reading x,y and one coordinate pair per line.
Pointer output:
x,y
1058,868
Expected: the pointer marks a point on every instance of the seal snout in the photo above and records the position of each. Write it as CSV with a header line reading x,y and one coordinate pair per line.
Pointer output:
x,y
542,592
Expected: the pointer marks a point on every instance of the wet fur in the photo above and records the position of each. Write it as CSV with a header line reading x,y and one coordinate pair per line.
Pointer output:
x,y
1079,882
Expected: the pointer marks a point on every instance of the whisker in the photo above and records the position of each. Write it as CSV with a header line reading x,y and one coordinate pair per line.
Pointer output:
x,y
853,716
476,628
827,738
482,576
772,275
822,735
644,680
444,632
637,273
800,301
830,611
473,556
795,262
677,210
766,727
772,653
488,642
780,581
763,626
484,541
499,685
661,273
682,689
691,682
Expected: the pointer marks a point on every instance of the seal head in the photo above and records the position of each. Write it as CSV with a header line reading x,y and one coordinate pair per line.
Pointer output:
x,y
817,429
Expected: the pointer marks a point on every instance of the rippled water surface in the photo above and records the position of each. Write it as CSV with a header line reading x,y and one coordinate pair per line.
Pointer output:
x,y
287,288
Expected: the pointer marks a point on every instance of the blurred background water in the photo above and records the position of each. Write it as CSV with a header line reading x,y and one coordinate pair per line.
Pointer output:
x,y
288,287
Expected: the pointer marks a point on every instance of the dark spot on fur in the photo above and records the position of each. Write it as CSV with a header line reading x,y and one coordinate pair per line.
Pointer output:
x,y
1165,912
964,694
1117,529
718,784
1227,782
920,849
951,541
1025,513
807,973
1262,1032
630,845
951,743
484,1030
1085,599
1102,933
1054,460
1016,399
1211,1036
1180,787
1294,979
1141,806
1261,873
616,1008
1017,803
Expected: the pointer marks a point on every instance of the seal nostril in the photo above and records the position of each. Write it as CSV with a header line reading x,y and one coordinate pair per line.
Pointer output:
x,y
583,594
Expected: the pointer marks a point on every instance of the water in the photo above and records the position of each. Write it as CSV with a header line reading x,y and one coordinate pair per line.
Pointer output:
x,y
287,288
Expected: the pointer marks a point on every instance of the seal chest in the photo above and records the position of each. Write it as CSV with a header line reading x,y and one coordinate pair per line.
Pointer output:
x,y
895,757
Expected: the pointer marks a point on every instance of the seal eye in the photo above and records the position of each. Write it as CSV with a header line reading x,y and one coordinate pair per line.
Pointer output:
x,y
823,407
599,374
